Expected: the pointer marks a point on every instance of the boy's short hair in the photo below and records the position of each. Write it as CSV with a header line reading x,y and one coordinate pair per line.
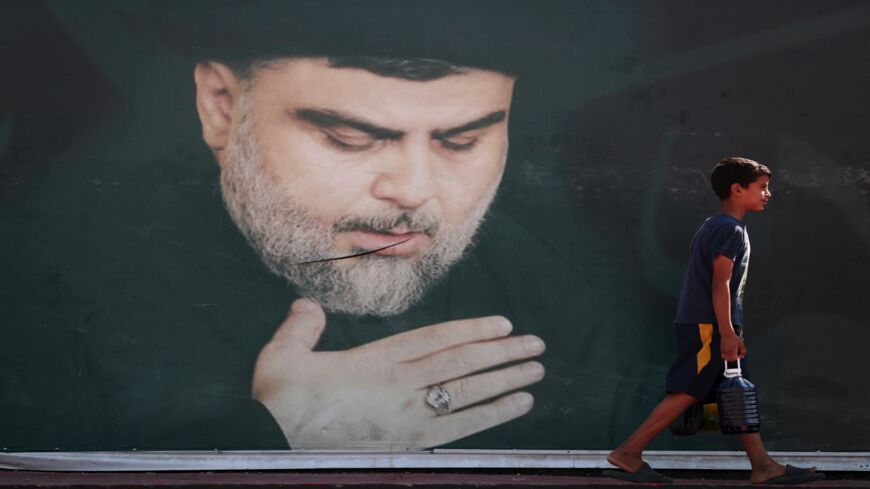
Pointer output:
x,y
735,170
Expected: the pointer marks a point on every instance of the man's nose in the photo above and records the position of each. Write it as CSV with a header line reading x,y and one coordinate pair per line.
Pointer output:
x,y
407,178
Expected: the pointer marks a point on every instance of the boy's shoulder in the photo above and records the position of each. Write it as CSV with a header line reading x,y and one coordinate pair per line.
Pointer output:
x,y
722,219
721,223
720,233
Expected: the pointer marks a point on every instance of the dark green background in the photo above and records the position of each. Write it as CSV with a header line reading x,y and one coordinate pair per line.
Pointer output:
x,y
131,309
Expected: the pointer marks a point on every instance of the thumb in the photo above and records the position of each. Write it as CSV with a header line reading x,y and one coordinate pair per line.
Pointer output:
x,y
303,326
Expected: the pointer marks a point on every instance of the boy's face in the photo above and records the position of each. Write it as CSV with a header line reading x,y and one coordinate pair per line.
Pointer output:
x,y
755,196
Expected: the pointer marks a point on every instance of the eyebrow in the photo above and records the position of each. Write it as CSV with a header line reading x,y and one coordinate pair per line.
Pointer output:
x,y
331,118
488,120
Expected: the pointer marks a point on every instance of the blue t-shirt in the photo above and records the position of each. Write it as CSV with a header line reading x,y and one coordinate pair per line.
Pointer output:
x,y
719,235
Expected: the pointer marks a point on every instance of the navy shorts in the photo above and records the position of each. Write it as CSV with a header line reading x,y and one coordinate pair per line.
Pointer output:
x,y
699,367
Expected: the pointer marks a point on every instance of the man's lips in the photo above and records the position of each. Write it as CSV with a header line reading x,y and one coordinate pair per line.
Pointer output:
x,y
405,243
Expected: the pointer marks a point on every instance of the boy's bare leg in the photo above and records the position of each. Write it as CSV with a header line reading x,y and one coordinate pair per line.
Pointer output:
x,y
763,467
628,455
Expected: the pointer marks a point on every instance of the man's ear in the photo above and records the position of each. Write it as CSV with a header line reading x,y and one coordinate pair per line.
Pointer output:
x,y
217,95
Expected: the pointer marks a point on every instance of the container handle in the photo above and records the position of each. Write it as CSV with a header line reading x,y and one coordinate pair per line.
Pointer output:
x,y
730,373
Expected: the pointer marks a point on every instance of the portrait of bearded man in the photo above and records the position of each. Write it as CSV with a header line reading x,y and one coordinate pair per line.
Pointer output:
x,y
361,181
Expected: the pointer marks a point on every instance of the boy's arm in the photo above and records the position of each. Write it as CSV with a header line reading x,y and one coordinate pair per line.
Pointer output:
x,y
731,346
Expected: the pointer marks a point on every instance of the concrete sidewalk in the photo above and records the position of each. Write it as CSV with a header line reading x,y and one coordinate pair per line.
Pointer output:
x,y
379,479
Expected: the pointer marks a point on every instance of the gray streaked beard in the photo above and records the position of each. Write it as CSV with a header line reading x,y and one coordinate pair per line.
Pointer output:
x,y
286,235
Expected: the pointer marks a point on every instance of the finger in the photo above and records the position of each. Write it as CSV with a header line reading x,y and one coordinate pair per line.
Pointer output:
x,y
303,326
474,389
427,340
473,357
479,418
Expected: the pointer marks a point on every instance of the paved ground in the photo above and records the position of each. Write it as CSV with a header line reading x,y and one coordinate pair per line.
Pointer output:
x,y
382,479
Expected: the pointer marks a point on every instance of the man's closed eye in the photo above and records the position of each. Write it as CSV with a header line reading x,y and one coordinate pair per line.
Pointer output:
x,y
350,139
458,143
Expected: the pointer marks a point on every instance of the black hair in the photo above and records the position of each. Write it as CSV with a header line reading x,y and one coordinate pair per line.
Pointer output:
x,y
733,170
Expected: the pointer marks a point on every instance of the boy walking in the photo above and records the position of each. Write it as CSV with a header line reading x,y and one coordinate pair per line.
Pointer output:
x,y
709,326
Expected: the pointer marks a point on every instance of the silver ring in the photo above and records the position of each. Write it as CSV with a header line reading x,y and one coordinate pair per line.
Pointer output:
x,y
438,399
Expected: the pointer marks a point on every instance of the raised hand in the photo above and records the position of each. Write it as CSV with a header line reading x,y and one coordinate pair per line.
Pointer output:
x,y
374,396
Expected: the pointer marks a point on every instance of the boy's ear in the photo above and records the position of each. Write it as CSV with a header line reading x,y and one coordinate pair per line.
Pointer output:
x,y
217,94
736,190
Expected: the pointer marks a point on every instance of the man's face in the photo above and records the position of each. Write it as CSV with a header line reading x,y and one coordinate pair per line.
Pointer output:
x,y
324,162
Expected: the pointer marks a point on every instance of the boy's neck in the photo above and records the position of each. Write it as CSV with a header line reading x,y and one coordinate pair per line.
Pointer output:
x,y
731,208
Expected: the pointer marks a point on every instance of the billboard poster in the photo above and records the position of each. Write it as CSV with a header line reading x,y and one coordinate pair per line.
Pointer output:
x,y
258,225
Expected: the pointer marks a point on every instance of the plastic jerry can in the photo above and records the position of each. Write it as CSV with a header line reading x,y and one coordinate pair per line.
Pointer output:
x,y
737,402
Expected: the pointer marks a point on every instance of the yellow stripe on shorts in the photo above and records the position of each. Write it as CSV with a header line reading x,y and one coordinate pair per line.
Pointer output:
x,y
705,330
